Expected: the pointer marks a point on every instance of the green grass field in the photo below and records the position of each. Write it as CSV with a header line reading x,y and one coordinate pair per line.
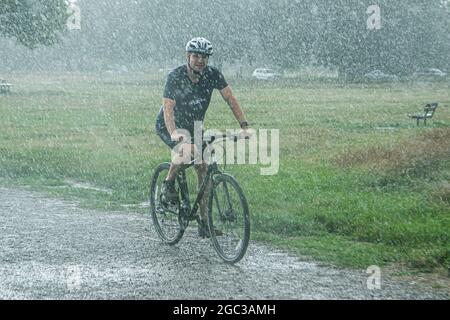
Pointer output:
x,y
359,183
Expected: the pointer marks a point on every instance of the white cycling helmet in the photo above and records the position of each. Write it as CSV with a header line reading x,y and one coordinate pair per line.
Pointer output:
x,y
199,45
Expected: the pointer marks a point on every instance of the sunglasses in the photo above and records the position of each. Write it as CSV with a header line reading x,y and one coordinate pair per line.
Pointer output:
x,y
198,56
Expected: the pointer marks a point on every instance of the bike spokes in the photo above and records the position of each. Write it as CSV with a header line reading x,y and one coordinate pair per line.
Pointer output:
x,y
228,212
165,215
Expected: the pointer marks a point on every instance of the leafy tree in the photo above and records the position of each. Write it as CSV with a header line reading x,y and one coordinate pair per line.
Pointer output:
x,y
33,22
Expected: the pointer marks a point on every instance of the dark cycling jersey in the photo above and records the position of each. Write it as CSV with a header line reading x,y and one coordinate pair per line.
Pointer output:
x,y
192,99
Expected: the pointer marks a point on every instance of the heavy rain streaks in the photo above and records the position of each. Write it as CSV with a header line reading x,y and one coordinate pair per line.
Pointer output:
x,y
358,200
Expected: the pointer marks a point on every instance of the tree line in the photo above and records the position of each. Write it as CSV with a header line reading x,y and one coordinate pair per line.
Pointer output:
x,y
354,36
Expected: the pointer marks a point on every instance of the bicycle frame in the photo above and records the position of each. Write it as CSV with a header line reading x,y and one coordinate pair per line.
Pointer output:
x,y
189,213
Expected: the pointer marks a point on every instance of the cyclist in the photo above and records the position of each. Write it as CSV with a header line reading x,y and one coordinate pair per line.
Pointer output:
x,y
186,98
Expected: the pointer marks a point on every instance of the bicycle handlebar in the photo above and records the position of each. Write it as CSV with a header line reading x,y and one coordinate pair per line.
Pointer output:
x,y
212,138
233,136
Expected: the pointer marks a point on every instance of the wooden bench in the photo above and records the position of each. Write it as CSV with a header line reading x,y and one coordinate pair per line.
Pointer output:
x,y
5,88
427,113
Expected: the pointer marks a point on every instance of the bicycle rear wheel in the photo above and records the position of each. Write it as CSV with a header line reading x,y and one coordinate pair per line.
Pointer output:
x,y
166,218
228,212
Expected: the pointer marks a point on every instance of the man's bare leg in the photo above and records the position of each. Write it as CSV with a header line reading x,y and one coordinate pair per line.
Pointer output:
x,y
182,158
173,170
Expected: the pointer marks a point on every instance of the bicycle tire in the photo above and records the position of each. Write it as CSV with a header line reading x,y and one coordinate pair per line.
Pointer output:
x,y
160,214
222,216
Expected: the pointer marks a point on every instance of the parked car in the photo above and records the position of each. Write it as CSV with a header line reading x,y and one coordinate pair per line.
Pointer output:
x,y
265,74
378,75
429,72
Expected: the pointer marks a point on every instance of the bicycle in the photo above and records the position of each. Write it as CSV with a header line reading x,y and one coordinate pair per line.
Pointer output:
x,y
227,208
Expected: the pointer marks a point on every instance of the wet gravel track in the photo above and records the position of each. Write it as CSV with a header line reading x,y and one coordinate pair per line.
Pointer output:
x,y
52,249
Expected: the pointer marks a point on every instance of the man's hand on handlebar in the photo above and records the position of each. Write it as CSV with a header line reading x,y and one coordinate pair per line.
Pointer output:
x,y
245,133
178,136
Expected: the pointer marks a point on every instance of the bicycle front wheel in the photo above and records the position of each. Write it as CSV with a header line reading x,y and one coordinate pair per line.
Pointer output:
x,y
228,218
166,218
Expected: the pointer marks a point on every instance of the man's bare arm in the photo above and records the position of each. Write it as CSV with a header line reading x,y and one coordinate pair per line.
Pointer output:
x,y
227,95
169,118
